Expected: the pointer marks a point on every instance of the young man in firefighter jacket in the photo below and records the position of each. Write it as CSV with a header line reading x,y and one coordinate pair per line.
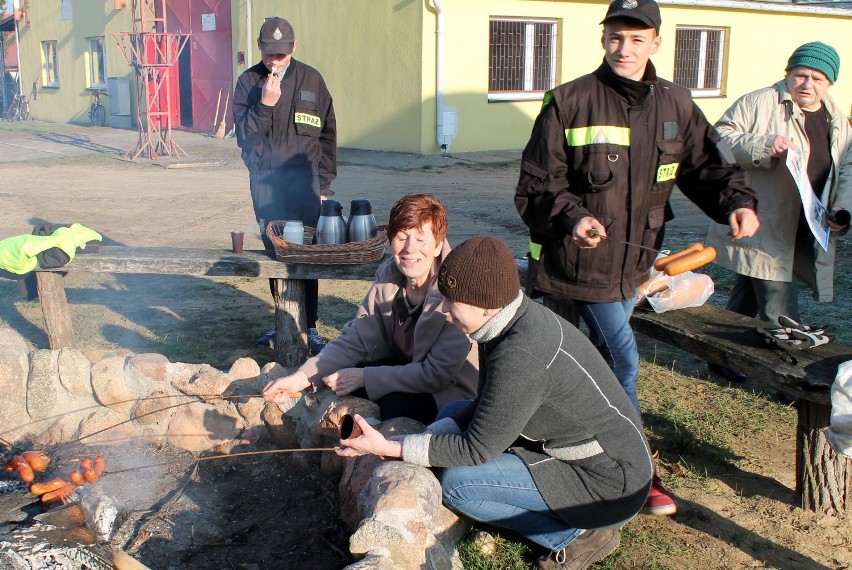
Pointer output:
x,y
285,126
604,155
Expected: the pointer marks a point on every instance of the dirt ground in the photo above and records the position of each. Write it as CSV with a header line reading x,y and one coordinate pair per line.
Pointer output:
x,y
280,512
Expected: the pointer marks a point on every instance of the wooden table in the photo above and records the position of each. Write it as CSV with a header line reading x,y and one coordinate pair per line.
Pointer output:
x,y
290,339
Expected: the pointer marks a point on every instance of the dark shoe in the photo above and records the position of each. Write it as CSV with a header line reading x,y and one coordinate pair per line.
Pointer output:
x,y
727,373
267,340
585,550
659,501
315,342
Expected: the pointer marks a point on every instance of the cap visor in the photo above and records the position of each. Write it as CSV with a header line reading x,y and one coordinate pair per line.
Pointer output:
x,y
630,15
276,47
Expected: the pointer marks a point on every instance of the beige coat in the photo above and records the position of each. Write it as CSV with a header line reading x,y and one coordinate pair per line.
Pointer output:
x,y
445,360
749,127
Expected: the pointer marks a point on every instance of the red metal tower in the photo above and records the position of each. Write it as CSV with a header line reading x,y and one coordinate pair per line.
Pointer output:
x,y
152,52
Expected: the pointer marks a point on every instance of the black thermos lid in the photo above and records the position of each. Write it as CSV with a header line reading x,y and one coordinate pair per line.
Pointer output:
x,y
360,207
331,208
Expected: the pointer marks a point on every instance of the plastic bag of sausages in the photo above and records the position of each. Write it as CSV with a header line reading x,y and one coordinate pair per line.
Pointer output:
x,y
667,293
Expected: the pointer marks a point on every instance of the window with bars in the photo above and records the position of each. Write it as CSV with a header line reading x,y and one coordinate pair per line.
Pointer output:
x,y
95,63
700,59
49,64
522,59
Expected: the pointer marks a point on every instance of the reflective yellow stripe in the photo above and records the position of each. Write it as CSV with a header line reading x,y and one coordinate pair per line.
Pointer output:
x,y
535,250
307,119
548,97
603,134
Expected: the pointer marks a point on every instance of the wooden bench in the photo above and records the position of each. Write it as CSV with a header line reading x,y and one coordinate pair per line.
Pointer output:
x,y
290,340
823,477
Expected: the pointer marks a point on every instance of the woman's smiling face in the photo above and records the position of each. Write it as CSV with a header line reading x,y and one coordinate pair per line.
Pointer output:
x,y
414,251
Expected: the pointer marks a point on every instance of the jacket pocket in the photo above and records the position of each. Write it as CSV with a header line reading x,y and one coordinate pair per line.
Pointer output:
x,y
532,179
584,266
600,166
656,219
668,164
307,121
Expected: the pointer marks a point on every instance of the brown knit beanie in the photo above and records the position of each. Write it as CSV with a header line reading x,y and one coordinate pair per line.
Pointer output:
x,y
480,272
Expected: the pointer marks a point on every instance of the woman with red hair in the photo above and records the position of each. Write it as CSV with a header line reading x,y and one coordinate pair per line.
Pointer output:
x,y
400,351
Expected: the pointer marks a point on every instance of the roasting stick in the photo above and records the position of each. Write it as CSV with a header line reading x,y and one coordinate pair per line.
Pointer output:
x,y
185,403
98,406
596,233
227,456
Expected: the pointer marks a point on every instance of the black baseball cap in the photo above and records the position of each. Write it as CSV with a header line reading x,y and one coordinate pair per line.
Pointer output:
x,y
645,11
276,36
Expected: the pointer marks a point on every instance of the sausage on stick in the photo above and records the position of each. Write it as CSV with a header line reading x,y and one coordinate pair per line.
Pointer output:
x,y
692,261
661,263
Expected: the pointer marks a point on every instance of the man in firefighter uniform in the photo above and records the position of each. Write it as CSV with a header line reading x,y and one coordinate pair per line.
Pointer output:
x,y
285,126
605,153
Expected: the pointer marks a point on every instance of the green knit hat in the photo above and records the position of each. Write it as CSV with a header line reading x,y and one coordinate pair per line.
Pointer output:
x,y
816,55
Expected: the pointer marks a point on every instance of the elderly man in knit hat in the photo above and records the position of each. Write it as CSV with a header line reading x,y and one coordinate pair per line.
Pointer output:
x,y
553,448
796,114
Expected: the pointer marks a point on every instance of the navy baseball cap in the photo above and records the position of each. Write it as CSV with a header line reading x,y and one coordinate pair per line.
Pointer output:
x,y
276,36
645,11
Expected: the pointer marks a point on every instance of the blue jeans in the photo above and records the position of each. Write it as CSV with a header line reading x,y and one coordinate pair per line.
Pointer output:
x,y
610,332
502,493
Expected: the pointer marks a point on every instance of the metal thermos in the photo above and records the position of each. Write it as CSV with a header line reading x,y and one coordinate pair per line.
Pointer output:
x,y
362,223
331,228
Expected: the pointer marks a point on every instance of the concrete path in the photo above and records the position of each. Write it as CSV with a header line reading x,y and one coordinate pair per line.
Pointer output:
x,y
38,141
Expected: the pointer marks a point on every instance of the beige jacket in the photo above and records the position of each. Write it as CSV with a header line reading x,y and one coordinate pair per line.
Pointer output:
x,y
445,360
749,127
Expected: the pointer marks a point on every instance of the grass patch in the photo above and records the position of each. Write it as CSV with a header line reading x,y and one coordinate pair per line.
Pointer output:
x,y
700,418
481,550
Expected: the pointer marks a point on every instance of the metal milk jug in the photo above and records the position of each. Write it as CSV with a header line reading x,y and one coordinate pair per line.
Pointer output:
x,y
331,228
362,223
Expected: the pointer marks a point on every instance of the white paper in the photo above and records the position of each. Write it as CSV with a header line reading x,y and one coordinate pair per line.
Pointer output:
x,y
65,10
208,22
815,212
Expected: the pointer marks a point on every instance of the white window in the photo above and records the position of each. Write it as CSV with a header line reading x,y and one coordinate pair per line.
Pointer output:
x,y
95,63
700,60
522,59
49,64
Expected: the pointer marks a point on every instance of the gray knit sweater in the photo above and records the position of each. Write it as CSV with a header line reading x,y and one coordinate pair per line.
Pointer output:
x,y
579,434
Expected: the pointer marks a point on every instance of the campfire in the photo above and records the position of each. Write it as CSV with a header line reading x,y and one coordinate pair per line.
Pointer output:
x,y
137,459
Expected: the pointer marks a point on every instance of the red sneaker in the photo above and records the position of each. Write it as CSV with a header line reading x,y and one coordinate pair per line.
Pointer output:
x,y
659,502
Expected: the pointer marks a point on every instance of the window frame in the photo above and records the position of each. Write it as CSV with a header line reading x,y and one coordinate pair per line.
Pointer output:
x,y
90,63
528,57
50,69
721,60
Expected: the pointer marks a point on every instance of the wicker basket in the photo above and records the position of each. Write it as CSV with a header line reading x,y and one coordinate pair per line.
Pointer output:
x,y
366,251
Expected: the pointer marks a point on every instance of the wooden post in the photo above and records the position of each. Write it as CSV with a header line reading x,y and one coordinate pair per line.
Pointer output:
x,y
54,305
824,477
291,347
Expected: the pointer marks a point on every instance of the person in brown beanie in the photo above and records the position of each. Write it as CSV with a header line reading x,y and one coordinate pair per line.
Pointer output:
x,y
552,448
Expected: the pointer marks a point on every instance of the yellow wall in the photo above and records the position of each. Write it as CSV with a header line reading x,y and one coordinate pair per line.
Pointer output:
x,y
760,44
369,53
90,18
378,58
